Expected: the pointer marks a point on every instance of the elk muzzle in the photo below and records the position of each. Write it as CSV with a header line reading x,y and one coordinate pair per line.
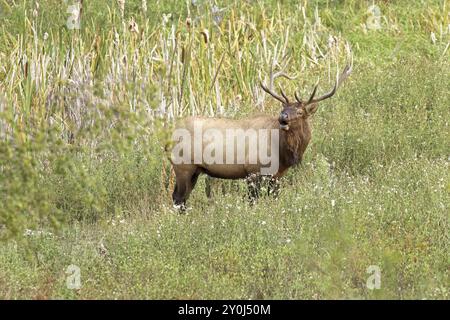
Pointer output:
x,y
283,119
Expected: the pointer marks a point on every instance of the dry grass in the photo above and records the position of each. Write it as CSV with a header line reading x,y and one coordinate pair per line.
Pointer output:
x,y
84,115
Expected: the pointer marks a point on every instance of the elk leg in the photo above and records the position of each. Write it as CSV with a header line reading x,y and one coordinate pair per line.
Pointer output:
x,y
254,186
178,195
194,180
183,187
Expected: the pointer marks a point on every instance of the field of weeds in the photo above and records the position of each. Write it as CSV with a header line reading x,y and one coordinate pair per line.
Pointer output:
x,y
88,89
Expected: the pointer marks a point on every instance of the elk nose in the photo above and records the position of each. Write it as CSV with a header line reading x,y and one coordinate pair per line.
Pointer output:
x,y
283,117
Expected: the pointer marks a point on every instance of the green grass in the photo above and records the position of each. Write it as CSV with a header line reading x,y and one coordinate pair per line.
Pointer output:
x,y
82,163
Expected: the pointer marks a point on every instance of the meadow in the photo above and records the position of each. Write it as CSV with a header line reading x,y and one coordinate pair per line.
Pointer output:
x,y
87,98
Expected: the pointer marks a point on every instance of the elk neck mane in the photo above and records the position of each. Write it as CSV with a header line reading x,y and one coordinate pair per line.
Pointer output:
x,y
294,142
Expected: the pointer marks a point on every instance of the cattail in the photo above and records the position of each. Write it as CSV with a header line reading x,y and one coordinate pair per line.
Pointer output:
x,y
205,34
121,7
132,26
36,9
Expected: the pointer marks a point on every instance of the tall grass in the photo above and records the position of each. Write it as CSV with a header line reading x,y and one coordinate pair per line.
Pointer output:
x,y
85,113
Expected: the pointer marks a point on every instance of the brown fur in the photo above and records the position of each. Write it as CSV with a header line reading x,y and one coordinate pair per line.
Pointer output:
x,y
292,145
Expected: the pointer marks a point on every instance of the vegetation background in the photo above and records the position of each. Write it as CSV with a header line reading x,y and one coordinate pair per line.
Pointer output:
x,y
84,180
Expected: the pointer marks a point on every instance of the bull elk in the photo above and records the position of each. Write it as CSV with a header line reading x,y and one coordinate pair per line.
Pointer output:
x,y
200,152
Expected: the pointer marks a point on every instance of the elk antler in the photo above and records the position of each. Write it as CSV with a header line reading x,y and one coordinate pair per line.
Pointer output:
x,y
283,98
339,79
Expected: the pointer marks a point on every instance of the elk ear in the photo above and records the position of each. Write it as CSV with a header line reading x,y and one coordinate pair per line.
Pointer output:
x,y
311,109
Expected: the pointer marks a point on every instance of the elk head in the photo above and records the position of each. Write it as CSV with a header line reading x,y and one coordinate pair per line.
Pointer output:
x,y
294,112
